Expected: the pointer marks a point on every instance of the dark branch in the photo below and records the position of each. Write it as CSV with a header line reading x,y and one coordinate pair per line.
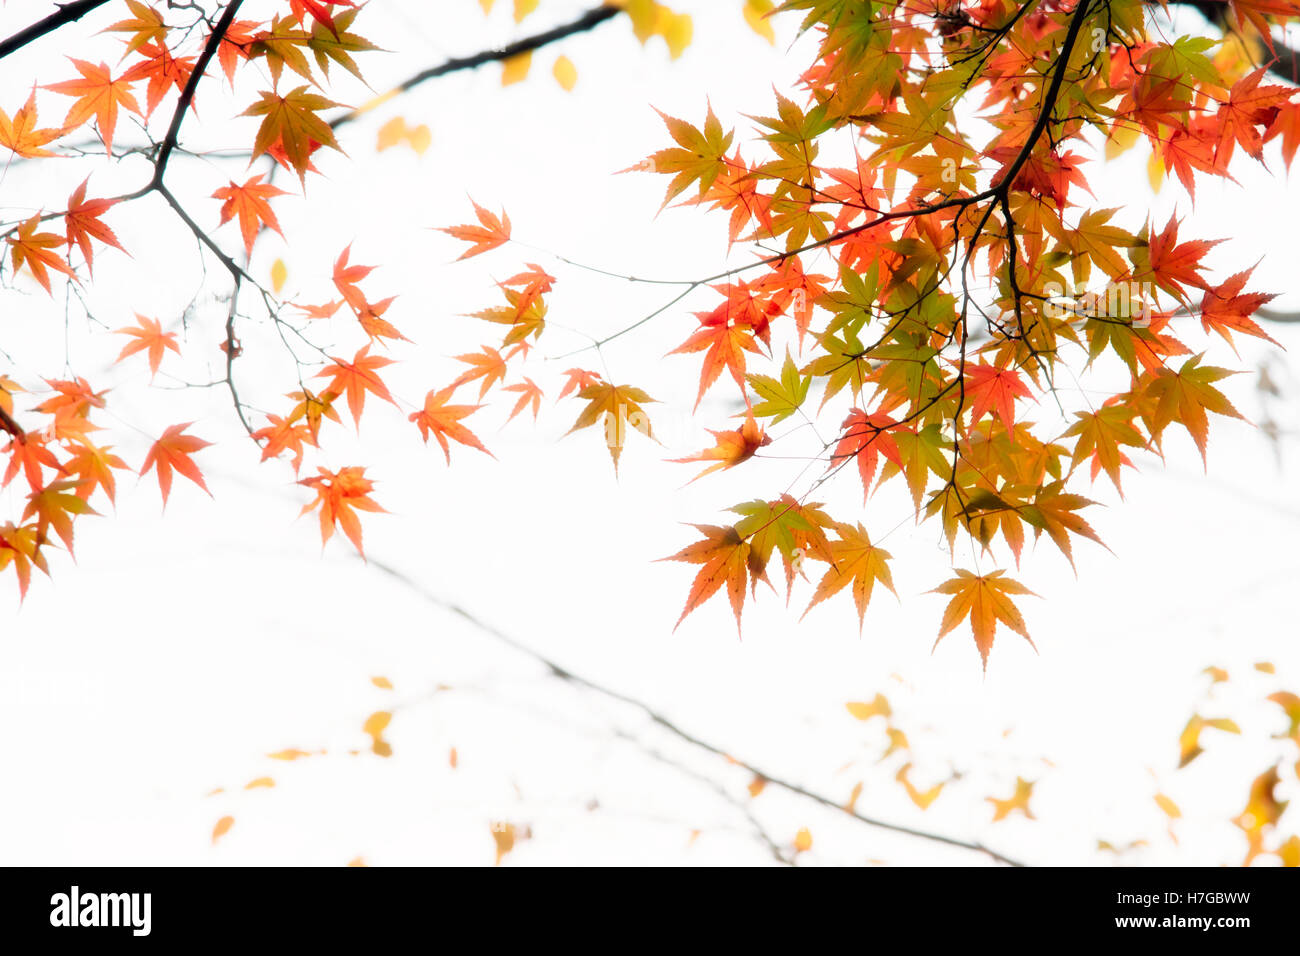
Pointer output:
x,y
587,21
67,13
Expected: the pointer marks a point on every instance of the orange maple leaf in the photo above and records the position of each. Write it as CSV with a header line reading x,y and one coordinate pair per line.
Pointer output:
x,y
172,452
992,388
492,233
357,377
441,420
21,135
36,249
149,336
982,597
732,448
346,277
337,494
98,95
866,437
725,557
81,223
528,391
251,203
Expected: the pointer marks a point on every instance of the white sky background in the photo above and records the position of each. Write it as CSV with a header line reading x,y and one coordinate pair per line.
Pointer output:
x,y
180,649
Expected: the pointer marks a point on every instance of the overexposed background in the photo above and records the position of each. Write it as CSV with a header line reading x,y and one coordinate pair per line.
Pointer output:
x,y
180,649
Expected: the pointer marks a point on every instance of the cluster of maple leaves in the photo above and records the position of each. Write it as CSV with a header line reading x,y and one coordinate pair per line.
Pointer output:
x,y
915,285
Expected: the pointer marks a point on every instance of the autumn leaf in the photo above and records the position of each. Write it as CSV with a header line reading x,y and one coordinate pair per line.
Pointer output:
x,y
732,448
443,421
984,599
1017,802
620,406
98,95
528,392
990,388
36,251
222,828
866,437
1226,309
725,559
339,495
922,798
82,223
250,203
490,234
148,337
21,135
357,378
290,123
857,562
171,453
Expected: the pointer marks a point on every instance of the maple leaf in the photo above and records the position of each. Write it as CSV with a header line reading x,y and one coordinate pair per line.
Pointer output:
x,y
98,95
21,547
700,156
725,345
491,234
726,559
779,399
149,337
55,506
732,448
858,562
28,453
982,597
281,435
346,276
866,437
82,223
1225,309
93,468
528,392
1185,396
171,453
234,46
354,379
290,123
21,135
338,496
993,388
621,407
163,71
370,317
146,26
73,399
1100,434
1174,264
319,9
487,365
251,203
576,380
443,421
36,249
314,409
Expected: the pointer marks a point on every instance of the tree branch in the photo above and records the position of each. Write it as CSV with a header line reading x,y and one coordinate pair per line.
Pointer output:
x,y
564,674
587,21
67,13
